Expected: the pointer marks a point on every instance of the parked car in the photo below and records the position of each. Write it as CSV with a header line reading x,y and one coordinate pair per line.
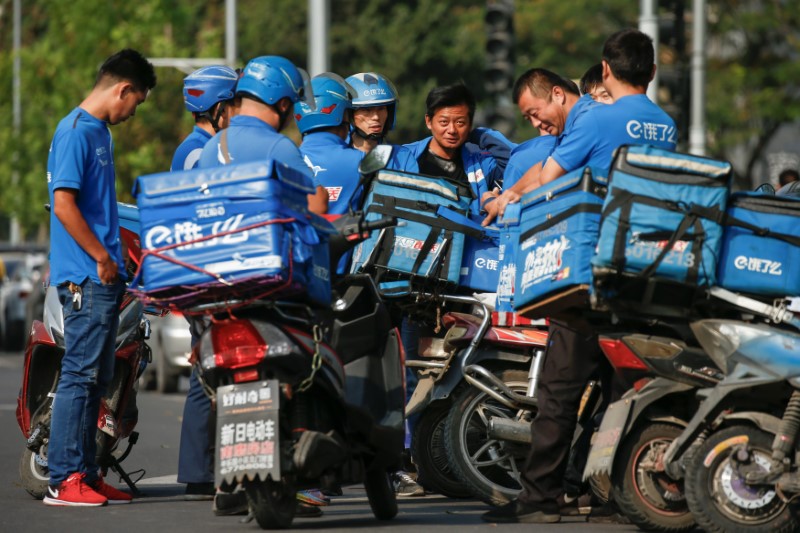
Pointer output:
x,y
171,344
23,272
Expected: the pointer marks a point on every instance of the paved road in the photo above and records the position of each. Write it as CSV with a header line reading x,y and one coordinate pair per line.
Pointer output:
x,y
164,509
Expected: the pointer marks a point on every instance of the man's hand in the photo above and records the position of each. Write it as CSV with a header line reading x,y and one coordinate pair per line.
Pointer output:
x,y
508,197
107,270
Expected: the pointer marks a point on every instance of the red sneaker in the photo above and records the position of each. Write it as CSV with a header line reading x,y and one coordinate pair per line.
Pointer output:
x,y
74,492
113,495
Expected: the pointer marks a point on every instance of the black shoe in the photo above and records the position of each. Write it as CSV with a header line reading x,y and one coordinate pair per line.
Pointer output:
x,y
607,514
199,492
305,510
230,503
575,506
524,513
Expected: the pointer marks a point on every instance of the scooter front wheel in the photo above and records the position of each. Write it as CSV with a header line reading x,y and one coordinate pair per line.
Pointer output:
x,y
642,490
380,493
429,453
716,490
273,503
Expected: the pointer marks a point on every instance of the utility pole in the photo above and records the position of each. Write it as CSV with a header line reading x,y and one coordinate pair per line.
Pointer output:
x,y
16,99
697,130
318,24
648,24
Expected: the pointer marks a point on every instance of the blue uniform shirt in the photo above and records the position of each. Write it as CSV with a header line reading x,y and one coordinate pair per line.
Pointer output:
x,y
82,158
483,164
335,166
526,155
252,139
594,131
188,153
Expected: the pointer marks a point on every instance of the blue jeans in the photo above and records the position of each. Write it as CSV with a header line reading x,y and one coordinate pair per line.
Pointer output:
x,y
86,370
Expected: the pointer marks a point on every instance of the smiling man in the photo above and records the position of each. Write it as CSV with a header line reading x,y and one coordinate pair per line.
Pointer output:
x,y
455,150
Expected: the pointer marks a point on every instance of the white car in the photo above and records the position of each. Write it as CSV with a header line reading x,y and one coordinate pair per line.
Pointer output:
x,y
171,344
22,275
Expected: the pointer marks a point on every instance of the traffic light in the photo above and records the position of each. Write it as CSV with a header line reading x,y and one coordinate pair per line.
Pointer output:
x,y
673,65
499,73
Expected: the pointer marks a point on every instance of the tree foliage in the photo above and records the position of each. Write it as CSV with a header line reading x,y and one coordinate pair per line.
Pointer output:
x,y
418,44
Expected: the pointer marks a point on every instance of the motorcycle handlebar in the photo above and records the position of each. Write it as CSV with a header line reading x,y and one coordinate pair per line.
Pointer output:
x,y
385,222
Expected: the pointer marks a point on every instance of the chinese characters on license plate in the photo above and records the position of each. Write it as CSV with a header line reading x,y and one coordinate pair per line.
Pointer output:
x,y
248,442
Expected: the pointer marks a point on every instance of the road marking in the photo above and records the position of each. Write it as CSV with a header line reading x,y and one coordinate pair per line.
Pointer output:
x,y
160,480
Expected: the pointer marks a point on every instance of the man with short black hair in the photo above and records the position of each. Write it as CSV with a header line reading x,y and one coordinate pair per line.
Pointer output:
x,y
573,355
455,150
788,176
87,266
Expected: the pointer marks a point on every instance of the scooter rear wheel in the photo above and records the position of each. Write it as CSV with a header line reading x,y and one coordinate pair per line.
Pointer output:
x,y
489,467
273,503
34,473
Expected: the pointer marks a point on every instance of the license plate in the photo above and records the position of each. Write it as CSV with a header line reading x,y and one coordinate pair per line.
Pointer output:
x,y
247,433
606,441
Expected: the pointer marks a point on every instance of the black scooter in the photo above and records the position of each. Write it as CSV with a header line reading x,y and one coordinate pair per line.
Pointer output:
x,y
307,397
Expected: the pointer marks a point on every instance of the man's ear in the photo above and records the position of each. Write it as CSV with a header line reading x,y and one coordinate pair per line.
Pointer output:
x,y
428,121
606,70
559,96
121,89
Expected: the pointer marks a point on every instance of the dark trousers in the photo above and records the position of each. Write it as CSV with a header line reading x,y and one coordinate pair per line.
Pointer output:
x,y
196,457
573,357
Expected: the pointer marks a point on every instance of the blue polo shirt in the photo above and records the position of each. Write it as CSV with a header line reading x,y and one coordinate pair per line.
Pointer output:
x,y
252,139
526,155
335,165
594,131
82,158
188,153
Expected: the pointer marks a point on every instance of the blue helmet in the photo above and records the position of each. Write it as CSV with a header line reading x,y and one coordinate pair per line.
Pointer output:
x,y
332,96
374,90
272,78
205,87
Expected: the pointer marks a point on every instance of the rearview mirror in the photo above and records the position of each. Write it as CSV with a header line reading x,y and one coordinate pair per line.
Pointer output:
x,y
376,159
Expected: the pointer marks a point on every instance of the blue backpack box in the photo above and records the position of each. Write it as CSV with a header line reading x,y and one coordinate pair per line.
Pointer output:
x,y
429,246
761,245
662,215
230,231
480,265
558,235
507,257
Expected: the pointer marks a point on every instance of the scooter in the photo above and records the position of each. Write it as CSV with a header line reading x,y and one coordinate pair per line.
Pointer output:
x,y
307,396
475,399
42,368
629,446
738,455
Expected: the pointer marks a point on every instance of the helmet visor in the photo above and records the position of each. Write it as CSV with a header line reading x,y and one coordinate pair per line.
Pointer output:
x,y
351,92
305,93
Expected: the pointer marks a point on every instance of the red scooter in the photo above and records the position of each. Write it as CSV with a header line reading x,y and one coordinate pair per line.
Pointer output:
x,y
475,399
42,368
